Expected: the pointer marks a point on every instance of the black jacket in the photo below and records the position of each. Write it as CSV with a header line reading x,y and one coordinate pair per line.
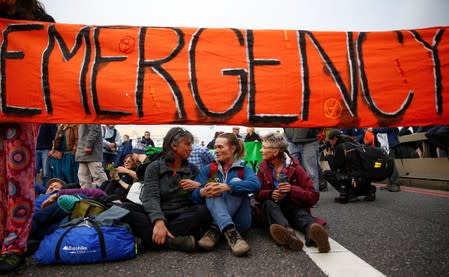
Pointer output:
x,y
346,159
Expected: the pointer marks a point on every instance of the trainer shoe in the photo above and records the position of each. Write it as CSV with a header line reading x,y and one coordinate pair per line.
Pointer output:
x,y
210,238
181,243
284,236
239,247
10,262
320,236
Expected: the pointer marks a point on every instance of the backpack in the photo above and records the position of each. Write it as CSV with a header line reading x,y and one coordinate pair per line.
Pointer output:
x,y
86,240
214,169
376,164
87,207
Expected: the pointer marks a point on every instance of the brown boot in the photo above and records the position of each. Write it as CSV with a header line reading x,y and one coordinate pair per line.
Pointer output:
x,y
210,238
320,236
284,236
238,245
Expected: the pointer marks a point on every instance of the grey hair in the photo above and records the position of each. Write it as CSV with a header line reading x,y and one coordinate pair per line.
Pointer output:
x,y
278,141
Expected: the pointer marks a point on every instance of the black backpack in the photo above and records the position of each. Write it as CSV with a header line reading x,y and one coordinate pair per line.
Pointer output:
x,y
376,163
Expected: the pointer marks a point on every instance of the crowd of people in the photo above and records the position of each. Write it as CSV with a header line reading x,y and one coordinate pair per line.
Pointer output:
x,y
191,196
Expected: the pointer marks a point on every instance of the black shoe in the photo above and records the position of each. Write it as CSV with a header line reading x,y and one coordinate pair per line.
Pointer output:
x,y
32,246
345,199
181,243
371,196
9,263
341,200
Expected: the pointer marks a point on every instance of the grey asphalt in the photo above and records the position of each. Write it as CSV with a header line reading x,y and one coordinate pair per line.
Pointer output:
x,y
400,234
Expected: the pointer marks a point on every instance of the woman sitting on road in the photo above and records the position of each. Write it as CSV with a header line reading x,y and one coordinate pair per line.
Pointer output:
x,y
169,218
225,186
286,196
121,179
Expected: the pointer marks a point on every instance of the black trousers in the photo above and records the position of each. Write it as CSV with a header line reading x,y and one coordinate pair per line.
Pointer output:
x,y
192,220
287,214
339,179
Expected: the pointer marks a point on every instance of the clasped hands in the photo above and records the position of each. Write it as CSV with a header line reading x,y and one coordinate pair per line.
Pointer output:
x,y
214,189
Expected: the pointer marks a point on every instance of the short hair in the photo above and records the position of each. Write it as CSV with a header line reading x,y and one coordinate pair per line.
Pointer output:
x,y
334,134
277,141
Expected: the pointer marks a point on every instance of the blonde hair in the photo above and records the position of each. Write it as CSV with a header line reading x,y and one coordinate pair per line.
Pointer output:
x,y
233,140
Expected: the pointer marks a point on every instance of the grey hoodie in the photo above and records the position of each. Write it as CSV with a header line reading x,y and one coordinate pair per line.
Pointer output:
x,y
300,135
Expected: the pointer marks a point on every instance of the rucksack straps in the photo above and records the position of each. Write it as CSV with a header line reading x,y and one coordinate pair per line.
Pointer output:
x,y
214,169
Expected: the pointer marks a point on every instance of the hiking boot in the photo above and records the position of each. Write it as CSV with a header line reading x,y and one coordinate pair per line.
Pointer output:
x,y
238,245
181,243
320,236
285,236
210,238
9,263
371,196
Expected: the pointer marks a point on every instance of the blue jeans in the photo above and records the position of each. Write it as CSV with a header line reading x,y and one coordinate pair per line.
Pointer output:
x,y
307,154
42,163
228,210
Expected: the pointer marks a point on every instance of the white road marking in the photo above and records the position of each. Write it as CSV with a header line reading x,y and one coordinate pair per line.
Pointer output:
x,y
340,261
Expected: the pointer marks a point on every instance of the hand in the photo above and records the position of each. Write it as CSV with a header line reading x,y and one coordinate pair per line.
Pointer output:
x,y
50,200
188,184
218,189
277,195
285,187
122,169
207,191
160,232
328,151
87,151
112,146
114,175
214,189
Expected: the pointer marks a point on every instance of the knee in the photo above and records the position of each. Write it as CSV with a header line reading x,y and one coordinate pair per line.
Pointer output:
x,y
268,204
203,213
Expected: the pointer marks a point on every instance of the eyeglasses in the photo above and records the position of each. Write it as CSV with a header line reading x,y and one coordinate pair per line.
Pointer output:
x,y
268,147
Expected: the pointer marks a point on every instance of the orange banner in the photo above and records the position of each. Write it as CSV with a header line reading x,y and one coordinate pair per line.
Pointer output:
x,y
149,75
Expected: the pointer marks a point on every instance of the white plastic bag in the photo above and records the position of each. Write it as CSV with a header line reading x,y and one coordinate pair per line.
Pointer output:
x,y
134,192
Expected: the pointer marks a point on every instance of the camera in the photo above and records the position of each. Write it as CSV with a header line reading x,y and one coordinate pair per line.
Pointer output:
x,y
324,146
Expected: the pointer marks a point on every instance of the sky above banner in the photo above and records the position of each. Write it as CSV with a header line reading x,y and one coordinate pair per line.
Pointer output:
x,y
317,15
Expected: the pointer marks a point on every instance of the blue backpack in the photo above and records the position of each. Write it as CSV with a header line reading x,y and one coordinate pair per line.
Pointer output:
x,y
83,241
